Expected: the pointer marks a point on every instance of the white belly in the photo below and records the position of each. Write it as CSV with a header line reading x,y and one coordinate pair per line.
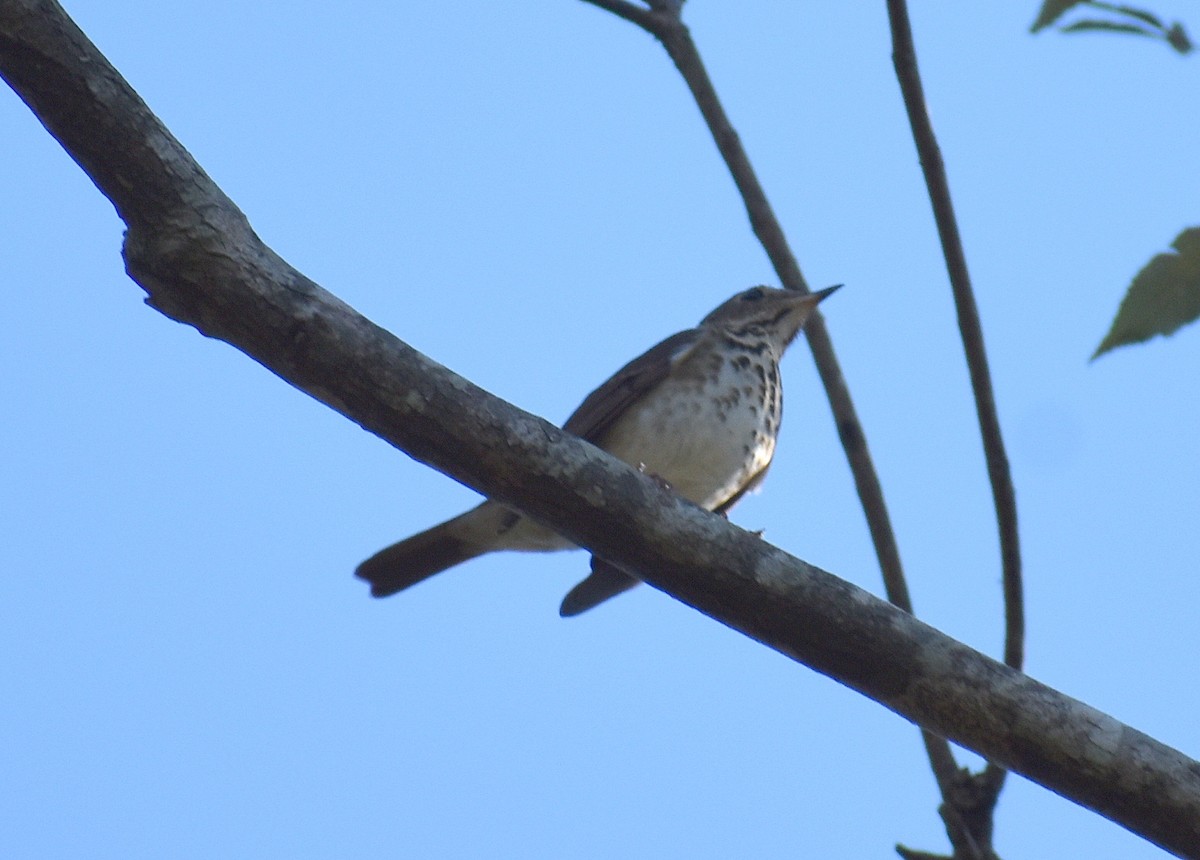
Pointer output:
x,y
707,451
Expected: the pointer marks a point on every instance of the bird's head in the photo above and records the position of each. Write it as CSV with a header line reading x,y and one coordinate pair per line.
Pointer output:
x,y
766,312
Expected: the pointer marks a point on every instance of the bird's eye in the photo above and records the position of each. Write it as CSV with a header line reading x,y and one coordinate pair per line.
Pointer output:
x,y
752,295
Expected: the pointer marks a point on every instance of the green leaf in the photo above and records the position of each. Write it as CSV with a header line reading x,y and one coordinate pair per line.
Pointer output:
x,y
1164,296
1051,11
1178,39
1140,14
1110,26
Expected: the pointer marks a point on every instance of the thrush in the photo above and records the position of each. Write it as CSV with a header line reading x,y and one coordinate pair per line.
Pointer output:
x,y
700,411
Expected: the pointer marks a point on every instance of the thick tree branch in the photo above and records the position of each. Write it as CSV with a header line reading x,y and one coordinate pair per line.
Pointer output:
x,y
197,257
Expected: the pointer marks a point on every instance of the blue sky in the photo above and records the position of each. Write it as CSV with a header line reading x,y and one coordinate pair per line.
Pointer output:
x,y
525,192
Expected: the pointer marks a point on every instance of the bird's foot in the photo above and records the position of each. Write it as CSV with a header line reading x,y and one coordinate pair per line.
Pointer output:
x,y
655,477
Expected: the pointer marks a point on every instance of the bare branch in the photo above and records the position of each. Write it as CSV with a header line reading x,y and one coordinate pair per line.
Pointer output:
x,y
1003,495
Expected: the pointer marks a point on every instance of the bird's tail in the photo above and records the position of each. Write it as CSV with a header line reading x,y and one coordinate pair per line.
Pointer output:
x,y
419,557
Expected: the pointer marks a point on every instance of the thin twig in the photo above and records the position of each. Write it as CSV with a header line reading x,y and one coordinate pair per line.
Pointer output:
x,y
1003,495
677,40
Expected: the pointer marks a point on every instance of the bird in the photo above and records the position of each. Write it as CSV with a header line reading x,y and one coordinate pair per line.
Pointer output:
x,y
699,411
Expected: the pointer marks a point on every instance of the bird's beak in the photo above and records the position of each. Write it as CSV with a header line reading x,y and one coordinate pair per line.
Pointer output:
x,y
802,307
821,295
808,301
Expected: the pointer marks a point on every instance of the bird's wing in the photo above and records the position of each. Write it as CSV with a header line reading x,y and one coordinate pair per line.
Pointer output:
x,y
592,420
604,405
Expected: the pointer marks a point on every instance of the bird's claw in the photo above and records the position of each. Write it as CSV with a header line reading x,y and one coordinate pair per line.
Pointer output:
x,y
656,478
